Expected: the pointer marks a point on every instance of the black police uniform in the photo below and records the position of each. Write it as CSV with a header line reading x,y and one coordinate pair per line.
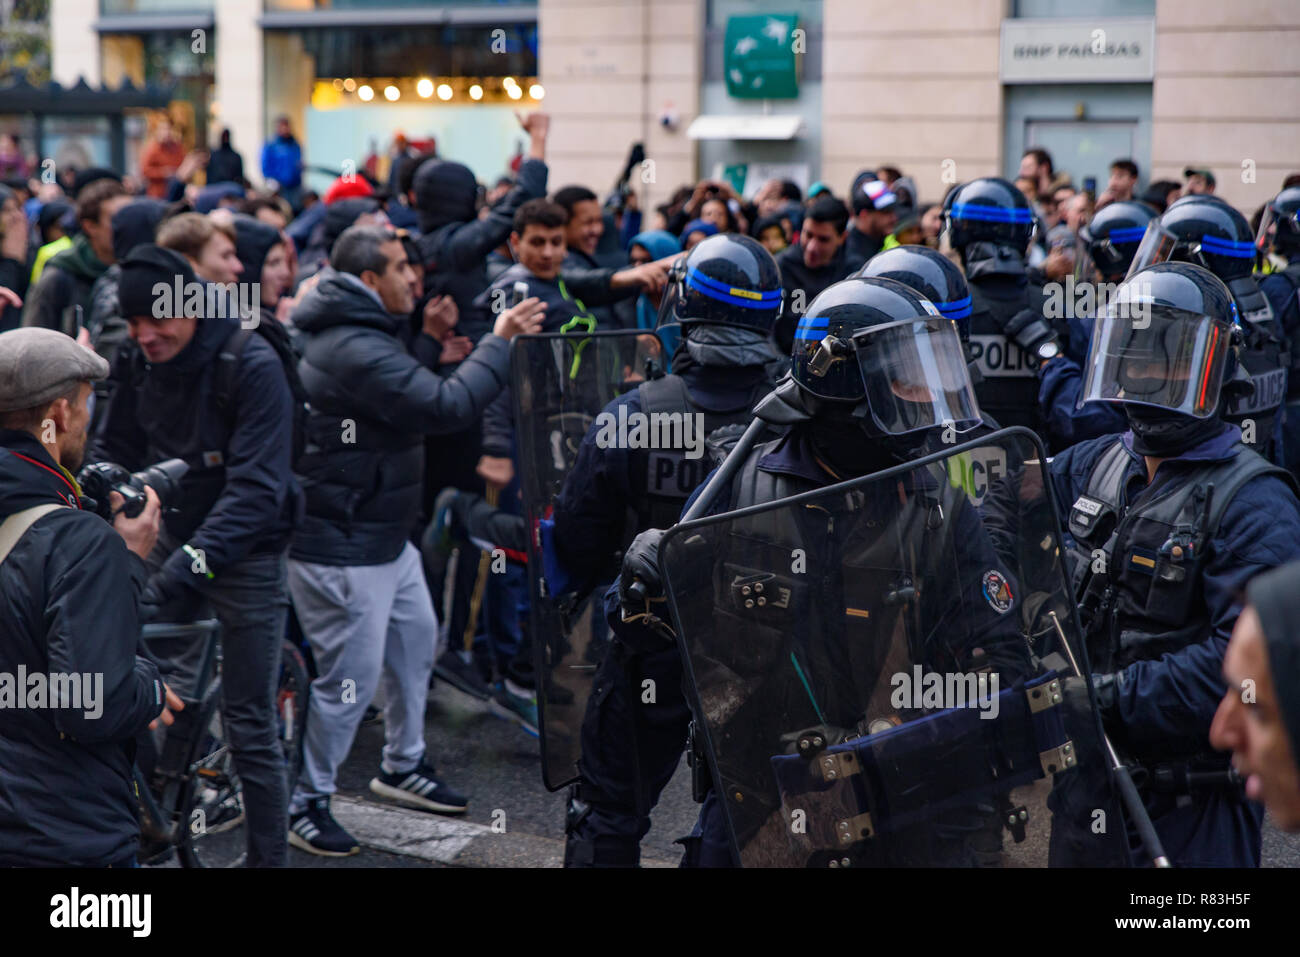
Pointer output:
x,y
630,749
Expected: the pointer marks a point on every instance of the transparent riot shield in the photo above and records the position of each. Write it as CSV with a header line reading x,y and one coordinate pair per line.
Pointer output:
x,y
884,672
561,382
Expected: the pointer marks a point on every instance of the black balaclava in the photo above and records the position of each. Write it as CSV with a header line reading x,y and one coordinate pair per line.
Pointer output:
x,y
840,437
1163,434
992,259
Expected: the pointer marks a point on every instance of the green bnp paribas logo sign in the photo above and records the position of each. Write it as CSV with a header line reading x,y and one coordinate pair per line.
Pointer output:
x,y
762,56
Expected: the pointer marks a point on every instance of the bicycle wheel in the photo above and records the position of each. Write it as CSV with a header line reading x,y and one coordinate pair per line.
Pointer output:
x,y
291,695
212,809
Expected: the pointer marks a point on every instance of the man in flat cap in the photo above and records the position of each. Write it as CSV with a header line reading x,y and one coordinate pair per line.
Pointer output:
x,y
1259,717
68,621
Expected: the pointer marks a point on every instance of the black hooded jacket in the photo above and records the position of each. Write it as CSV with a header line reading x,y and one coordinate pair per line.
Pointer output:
x,y
455,244
133,225
239,497
68,605
372,404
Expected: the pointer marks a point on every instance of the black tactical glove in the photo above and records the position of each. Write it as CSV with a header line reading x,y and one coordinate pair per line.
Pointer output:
x,y
1033,335
1106,688
639,582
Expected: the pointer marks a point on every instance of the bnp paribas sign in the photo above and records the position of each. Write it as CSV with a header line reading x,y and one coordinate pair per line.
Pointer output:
x,y
761,56
1092,50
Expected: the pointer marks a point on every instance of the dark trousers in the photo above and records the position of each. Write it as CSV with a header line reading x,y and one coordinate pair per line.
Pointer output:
x,y
630,751
251,602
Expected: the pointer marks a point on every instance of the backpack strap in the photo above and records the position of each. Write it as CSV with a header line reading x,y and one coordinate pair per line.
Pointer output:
x,y
13,528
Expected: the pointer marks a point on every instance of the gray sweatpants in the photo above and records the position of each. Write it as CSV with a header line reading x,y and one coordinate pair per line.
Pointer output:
x,y
361,621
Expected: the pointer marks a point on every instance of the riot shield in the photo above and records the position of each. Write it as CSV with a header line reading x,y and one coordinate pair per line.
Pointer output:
x,y
561,382
883,672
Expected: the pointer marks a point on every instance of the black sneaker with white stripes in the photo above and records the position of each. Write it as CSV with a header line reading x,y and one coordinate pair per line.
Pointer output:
x,y
419,788
316,832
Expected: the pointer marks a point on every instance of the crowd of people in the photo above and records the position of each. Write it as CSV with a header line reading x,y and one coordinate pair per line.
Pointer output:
x,y
336,372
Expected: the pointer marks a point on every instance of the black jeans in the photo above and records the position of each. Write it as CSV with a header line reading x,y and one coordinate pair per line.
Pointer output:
x,y
251,601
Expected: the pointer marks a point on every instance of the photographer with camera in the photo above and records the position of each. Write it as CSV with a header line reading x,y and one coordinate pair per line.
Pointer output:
x,y
68,620
192,385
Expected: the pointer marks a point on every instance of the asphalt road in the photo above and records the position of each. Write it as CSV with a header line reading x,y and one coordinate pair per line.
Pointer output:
x,y
513,821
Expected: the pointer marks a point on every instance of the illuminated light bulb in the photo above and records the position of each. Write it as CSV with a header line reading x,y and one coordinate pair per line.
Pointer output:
x,y
536,91
476,92
391,93
350,85
444,91
514,92
365,93
424,87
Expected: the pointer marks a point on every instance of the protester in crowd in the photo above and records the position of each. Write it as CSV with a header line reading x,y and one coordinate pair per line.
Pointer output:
x,y
282,162
207,243
161,157
224,164
1036,165
695,232
818,260
1199,181
1162,193
875,216
1122,183
15,259
133,225
357,582
69,277
12,161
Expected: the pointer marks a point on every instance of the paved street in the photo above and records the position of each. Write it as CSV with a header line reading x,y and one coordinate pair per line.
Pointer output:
x,y
496,763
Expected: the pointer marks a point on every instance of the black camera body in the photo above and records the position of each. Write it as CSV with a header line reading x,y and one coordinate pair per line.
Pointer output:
x,y
98,479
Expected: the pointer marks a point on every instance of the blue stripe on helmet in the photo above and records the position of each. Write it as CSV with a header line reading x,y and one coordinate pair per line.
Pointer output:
x,y
812,327
1227,247
1130,234
712,289
991,214
957,309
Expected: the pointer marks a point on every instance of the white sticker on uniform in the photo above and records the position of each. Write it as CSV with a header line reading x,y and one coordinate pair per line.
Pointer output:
x,y
1088,505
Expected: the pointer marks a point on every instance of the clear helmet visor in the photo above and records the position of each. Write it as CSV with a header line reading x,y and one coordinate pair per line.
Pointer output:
x,y
1268,228
915,376
1157,356
1158,245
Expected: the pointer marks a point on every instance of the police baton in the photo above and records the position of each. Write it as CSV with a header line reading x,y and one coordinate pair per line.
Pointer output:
x,y
1123,776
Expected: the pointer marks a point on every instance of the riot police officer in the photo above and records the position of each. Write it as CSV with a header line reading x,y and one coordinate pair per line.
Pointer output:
x,y
1205,230
725,295
876,372
1169,522
1279,233
989,222
1109,243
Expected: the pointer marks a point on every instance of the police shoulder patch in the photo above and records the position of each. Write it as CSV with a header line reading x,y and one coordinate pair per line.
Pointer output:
x,y
997,591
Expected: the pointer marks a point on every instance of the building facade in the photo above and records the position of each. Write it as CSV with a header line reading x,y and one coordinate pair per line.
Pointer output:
x,y
944,89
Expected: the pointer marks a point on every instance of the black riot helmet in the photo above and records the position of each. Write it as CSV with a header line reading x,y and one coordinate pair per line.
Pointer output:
x,y
929,272
727,280
880,342
1164,341
1111,239
1203,230
1279,227
988,210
